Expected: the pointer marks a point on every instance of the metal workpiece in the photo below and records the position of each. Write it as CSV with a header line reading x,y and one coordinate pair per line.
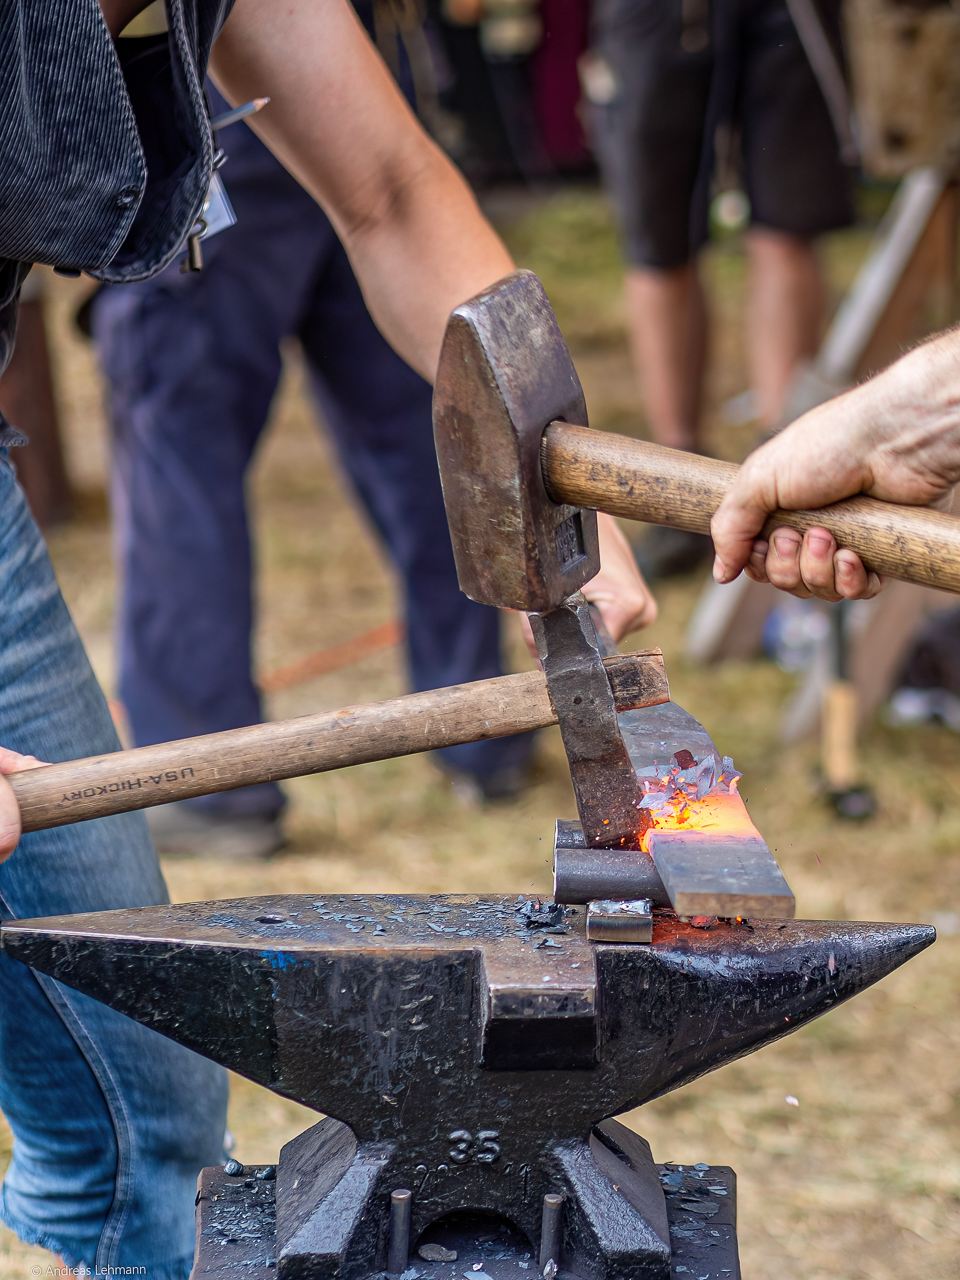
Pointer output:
x,y
581,875
465,1048
504,375
660,813
605,784
710,857
620,922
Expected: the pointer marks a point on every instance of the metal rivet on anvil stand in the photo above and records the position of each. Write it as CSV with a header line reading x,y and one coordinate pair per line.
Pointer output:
x,y
398,1252
550,1233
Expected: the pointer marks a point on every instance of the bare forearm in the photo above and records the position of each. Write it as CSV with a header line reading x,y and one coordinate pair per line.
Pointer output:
x,y
895,437
434,253
336,120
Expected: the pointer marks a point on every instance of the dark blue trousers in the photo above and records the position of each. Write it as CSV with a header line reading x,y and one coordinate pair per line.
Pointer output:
x,y
193,361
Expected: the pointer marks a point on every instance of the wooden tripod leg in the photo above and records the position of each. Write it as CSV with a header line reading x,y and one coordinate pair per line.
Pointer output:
x,y
929,275
838,727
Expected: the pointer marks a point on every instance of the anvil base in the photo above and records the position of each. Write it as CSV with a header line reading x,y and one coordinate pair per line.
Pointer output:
x,y
237,1232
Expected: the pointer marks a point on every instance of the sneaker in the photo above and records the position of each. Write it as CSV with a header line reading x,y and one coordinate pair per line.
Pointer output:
x,y
182,832
669,553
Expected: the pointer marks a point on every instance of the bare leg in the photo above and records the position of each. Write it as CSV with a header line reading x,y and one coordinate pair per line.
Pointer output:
x,y
785,308
667,316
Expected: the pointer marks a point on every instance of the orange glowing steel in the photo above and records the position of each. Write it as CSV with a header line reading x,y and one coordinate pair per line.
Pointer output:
x,y
723,816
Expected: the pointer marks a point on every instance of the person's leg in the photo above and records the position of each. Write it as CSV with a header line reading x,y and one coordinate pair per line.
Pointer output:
x,y
379,412
786,301
667,319
193,363
186,416
798,189
649,139
111,1122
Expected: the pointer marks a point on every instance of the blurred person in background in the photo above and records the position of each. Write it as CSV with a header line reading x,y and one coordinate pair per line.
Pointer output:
x,y
667,79
511,78
193,361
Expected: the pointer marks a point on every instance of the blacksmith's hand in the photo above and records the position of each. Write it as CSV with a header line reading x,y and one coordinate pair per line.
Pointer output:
x,y
896,437
11,762
625,601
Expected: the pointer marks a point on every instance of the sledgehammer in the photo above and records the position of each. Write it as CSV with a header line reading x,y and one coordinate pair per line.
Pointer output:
x,y
76,790
535,473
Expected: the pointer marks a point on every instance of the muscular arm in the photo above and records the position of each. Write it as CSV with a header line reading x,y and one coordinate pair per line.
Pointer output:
x,y
416,238
895,437
336,120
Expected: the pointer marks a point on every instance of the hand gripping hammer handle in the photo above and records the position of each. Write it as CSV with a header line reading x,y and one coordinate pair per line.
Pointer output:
x,y
76,790
643,481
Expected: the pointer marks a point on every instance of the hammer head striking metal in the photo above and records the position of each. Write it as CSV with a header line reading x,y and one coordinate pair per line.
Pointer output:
x,y
505,374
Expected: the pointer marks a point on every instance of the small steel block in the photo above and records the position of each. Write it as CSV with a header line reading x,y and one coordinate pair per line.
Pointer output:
x,y
609,921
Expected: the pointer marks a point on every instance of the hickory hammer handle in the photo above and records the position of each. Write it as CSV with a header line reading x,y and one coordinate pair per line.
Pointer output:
x,y
73,791
643,481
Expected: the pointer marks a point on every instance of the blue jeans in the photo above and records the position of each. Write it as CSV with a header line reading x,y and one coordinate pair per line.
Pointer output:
x,y
111,1122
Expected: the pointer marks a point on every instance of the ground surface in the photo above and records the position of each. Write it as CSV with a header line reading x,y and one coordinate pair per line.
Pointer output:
x,y
861,1181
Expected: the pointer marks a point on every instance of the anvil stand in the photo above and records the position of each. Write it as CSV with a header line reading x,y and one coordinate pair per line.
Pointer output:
x,y
472,1051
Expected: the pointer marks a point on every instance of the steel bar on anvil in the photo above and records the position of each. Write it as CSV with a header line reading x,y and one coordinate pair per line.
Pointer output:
x,y
642,481
582,875
715,863
462,1056
99,785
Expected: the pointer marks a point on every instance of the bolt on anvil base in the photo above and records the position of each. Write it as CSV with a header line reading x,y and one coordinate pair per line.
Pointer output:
x,y
470,1048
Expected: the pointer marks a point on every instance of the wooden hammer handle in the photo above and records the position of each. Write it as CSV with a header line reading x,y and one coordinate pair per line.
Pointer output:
x,y
643,481
76,790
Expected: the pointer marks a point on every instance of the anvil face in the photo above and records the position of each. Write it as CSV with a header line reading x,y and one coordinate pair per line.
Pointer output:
x,y
470,1044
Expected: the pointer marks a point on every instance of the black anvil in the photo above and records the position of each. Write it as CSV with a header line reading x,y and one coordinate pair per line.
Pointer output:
x,y
469,1050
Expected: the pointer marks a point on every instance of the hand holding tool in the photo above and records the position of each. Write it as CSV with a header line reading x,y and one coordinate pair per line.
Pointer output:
x,y
75,790
552,472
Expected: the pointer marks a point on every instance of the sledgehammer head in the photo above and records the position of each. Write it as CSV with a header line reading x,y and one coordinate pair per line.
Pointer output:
x,y
505,374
